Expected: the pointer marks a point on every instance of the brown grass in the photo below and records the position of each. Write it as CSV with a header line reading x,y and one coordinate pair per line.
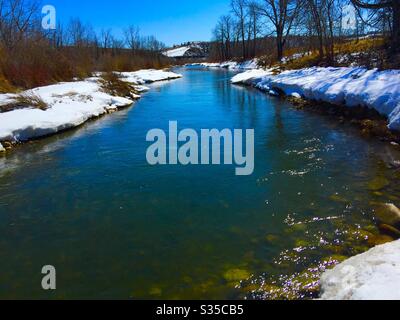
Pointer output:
x,y
112,84
25,100
303,62
370,53
5,85
362,45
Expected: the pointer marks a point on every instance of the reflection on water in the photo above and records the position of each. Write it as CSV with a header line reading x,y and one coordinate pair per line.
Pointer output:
x,y
87,202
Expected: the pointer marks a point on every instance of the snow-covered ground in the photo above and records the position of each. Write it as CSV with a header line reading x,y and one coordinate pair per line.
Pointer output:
x,y
249,76
177,52
350,87
374,275
70,105
148,76
187,51
231,65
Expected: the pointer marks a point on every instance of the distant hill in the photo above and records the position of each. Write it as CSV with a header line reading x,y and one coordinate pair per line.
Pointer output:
x,y
190,50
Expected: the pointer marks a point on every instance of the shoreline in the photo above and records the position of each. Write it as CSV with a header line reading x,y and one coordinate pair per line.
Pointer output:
x,y
376,114
71,104
369,122
374,274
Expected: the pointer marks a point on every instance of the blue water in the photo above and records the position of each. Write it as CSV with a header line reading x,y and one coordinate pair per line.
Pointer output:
x,y
87,202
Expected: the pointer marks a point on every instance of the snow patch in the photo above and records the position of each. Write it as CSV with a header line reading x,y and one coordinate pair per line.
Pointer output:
x,y
374,275
176,53
248,77
148,76
352,87
70,105
230,65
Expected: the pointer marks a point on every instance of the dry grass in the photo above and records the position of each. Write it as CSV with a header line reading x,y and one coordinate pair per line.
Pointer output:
x,y
304,62
362,45
5,86
112,84
24,100
370,53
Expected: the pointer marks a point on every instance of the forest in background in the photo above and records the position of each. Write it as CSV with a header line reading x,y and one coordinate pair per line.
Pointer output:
x,y
317,32
31,56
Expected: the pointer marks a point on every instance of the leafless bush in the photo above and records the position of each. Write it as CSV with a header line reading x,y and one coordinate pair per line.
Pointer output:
x,y
25,100
112,84
31,56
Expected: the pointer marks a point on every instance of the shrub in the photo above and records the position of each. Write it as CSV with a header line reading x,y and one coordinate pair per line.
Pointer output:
x,y
112,84
25,100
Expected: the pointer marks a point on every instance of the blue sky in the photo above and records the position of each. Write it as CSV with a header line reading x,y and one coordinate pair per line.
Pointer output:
x,y
171,21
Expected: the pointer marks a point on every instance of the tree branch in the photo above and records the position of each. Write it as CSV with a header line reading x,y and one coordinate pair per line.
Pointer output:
x,y
365,5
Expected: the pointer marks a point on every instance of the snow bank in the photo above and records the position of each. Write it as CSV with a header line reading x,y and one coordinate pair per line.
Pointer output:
x,y
148,76
374,275
351,87
250,76
2,148
70,105
231,65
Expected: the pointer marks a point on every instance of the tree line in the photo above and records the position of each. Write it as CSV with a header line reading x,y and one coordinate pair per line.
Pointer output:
x,y
31,56
259,27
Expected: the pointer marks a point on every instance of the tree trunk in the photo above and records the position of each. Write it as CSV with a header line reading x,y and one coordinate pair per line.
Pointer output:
x,y
243,43
396,26
279,46
255,36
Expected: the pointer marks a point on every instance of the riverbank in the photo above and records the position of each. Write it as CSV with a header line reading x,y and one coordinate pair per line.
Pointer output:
x,y
68,105
350,92
230,65
349,87
374,275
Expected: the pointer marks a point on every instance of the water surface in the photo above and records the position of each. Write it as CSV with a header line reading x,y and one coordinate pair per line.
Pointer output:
x,y
88,203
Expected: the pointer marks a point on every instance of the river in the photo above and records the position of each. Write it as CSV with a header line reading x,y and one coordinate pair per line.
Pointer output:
x,y
87,202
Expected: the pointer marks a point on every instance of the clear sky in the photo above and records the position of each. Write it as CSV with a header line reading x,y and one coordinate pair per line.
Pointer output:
x,y
171,21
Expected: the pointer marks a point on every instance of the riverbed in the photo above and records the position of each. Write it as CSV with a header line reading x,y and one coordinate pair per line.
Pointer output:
x,y
88,203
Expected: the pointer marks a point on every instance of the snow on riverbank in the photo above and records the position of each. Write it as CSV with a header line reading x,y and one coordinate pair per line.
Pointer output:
x,y
230,65
350,87
148,76
248,77
70,105
374,275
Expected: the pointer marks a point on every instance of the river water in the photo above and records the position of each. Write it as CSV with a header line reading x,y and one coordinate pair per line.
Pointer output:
x,y
87,202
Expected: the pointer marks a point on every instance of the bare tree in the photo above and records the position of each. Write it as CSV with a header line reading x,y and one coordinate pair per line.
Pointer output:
x,y
132,38
393,6
254,29
282,15
105,38
240,12
226,27
18,20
